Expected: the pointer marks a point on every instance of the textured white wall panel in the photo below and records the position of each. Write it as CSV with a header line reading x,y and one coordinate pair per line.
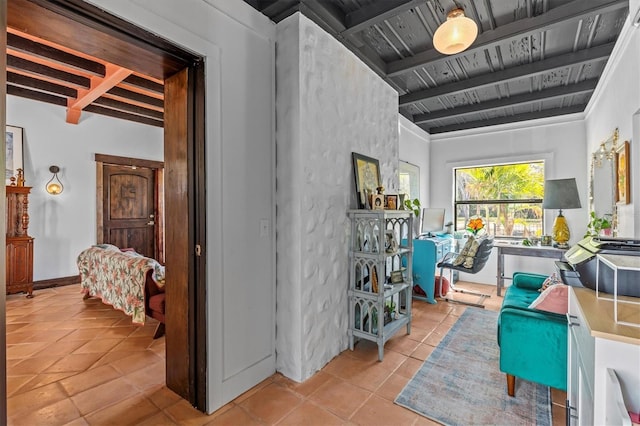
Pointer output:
x,y
329,104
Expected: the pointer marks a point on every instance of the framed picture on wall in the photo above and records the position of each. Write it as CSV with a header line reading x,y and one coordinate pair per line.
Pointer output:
x,y
367,174
623,190
13,139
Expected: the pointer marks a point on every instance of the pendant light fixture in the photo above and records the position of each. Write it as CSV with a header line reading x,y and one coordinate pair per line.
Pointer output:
x,y
455,34
54,186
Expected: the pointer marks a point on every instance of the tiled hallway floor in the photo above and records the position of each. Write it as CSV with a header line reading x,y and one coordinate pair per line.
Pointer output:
x,y
79,362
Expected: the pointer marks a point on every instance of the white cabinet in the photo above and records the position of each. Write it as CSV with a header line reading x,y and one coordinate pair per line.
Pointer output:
x,y
598,348
380,275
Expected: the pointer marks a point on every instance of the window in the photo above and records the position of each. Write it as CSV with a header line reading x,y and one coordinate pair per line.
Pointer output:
x,y
507,197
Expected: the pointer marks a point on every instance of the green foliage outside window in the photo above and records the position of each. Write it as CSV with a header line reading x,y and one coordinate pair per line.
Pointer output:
x,y
507,197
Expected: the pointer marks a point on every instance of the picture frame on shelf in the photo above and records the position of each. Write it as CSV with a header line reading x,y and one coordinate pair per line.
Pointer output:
x,y
623,190
366,171
377,202
13,159
392,202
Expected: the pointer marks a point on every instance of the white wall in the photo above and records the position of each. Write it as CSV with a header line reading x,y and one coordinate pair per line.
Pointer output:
x,y
238,45
414,149
562,146
65,224
615,104
329,105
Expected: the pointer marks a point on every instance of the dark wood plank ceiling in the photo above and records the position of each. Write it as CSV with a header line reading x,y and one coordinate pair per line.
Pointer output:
x,y
532,58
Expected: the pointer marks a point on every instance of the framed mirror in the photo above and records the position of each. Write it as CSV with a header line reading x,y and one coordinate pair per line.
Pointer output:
x,y
409,179
602,183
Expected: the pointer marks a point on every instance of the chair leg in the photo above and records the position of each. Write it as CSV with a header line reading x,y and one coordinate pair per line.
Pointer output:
x,y
511,385
159,330
452,288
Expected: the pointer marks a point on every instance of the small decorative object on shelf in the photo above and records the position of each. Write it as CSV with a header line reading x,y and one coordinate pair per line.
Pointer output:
x,y
380,280
20,180
377,201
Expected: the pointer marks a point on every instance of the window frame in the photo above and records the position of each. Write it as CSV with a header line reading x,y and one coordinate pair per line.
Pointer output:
x,y
507,162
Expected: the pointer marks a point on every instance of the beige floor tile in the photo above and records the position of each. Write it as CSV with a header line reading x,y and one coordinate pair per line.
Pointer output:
x,y
100,346
409,367
58,413
99,365
307,387
422,352
161,396
160,419
234,417
74,362
310,414
184,414
130,411
272,403
392,387
103,395
340,397
89,379
380,411
23,403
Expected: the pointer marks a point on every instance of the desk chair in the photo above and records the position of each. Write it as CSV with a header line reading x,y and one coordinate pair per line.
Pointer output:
x,y
471,265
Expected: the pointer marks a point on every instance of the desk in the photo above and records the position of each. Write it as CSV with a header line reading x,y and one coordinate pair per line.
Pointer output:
x,y
520,250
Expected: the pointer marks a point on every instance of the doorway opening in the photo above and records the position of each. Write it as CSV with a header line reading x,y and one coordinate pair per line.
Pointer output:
x,y
87,29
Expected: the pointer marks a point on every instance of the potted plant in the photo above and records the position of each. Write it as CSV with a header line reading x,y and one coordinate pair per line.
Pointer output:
x,y
414,206
598,225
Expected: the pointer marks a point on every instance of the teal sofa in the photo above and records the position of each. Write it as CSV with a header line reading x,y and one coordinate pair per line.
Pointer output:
x,y
533,343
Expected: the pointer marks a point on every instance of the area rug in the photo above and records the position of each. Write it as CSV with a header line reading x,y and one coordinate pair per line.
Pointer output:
x,y
461,383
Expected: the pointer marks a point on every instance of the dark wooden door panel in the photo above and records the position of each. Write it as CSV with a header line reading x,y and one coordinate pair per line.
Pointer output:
x,y
129,200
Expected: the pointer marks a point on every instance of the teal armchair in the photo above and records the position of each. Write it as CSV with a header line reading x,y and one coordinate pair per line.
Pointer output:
x,y
533,343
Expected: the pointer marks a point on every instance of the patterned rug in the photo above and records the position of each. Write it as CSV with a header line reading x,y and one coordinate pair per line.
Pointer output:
x,y
461,383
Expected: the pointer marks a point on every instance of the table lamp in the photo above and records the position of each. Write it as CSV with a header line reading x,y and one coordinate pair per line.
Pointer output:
x,y
561,194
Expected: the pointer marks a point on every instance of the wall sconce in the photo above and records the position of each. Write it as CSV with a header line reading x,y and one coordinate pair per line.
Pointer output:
x,y
54,186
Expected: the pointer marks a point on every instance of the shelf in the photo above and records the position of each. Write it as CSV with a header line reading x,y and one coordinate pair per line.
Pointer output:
x,y
370,229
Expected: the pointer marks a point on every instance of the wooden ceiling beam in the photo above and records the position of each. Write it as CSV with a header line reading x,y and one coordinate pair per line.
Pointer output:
x,y
506,119
569,12
128,94
127,107
585,86
123,115
145,83
40,85
99,86
43,70
35,95
585,56
54,55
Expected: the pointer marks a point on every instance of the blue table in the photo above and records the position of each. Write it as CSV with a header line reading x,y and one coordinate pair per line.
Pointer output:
x,y
426,254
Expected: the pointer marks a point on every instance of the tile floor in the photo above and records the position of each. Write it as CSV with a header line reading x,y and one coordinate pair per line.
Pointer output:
x,y
79,362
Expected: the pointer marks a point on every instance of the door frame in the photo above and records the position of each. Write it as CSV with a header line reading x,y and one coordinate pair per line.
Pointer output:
x,y
158,187
186,364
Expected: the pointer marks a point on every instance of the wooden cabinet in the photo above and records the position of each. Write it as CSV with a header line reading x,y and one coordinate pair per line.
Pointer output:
x,y
380,275
19,245
603,380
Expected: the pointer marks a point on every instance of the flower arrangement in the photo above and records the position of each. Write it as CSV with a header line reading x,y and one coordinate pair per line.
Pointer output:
x,y
475,225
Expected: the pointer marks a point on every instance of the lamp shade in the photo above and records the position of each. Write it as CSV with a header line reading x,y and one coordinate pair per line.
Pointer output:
x,y
561,194
455,34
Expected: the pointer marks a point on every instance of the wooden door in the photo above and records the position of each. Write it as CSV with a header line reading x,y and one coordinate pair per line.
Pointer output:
x,y
129,208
